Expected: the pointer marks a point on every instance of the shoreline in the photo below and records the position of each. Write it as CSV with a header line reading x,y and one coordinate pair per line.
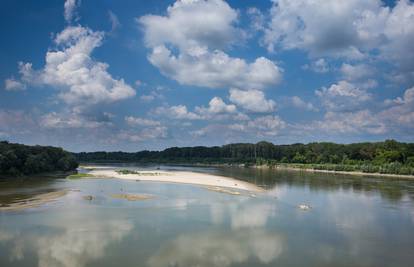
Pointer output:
x,y
180,177
355,173
276,167
33,201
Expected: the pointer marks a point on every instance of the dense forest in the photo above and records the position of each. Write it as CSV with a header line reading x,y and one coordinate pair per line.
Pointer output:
x,y
19,160
389,156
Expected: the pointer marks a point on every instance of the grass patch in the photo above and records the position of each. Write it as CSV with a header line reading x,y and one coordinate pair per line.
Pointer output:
x,y
79,176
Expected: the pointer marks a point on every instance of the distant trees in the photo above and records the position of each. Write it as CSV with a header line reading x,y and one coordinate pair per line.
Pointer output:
x,y
389,156
17,159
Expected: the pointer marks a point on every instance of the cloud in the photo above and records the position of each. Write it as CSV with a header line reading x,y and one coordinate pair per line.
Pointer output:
x,y
318,66
177,112
241,126
149,129
187,45
55,120
12,84
299,103
261,126
319,26
81,80
213,249
190,24
399,31
352,29
147,98
251,216
257,18
346,114
69,245
215,69
396,118
252,100
363,121
217,109
356,72
14,122
136,121
115,24
343,96
368,84
216,106
151,96
401,112
145,134
70,9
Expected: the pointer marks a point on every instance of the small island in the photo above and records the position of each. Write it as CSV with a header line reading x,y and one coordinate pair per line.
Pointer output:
x,y
210,181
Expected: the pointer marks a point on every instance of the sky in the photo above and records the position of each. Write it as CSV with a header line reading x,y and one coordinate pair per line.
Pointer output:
x,y
130,75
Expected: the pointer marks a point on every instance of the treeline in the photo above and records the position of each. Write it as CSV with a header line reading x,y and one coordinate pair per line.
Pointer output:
x,y
19,160
389,156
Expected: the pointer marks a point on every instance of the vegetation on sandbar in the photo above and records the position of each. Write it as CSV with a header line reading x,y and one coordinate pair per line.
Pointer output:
x,y
124,171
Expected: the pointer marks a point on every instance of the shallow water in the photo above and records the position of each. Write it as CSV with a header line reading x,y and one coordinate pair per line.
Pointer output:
x,y
353,221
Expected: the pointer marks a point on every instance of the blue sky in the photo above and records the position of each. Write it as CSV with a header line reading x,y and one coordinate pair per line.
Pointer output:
x,y
131,75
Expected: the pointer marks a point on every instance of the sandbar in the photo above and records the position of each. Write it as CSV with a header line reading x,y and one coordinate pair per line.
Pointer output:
x,y
33,201
182,177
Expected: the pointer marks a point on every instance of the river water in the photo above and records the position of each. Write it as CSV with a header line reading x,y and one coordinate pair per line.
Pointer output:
x,y
352,221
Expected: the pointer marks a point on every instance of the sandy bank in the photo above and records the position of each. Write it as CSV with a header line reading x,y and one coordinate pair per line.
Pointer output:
x,y
33,201
180,177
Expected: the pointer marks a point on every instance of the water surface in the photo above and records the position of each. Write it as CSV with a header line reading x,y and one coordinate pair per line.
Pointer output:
x,y
354,221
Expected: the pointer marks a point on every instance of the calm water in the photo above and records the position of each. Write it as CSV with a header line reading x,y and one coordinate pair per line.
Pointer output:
x,y
353,222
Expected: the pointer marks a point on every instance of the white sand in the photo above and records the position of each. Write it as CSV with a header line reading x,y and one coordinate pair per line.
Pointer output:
x,y
180,177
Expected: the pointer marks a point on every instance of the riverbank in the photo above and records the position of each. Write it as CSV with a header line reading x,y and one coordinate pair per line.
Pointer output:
x,y
182,177
356,173
282,166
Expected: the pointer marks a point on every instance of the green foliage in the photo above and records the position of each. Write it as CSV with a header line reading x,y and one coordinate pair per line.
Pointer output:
x,y
389,156
19,160
126,172
298,158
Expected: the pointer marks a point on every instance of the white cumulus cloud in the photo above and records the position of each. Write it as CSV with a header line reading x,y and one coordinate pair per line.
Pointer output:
x,y
200,30
343,96
352,29
80,79
216,106
252,100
